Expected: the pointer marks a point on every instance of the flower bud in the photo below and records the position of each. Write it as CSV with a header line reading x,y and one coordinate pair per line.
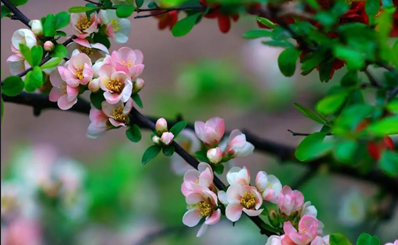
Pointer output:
x,y
94,85
138,85
273,217
49,46
167,138
214,155
37,27
156,140
161,125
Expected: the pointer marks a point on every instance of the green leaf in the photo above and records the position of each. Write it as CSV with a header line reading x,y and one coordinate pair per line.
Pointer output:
x,y
393,106
37,55
139,3
372,7
276,43
150,153
152,5
49,26
79,9
218,168
184,26
386,126
62,19
12,86
287,61
313,147
96,99
51,63
350,79
330,104
4,11
266,22
168,150
124,11
355,60
134,133
29,85
59,51
137,100
366,239
177,128
26,53
338,239
2,109
201,156
18,2
325,69
344,151
257,34
310,114
389,162
37,77
60,33
102,38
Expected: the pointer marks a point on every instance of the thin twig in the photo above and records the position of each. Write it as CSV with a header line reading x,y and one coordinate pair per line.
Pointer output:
x,y
89,1
372,80
393,93
17,13
303,134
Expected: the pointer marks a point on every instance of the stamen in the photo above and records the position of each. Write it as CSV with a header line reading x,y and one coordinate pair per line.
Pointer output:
x,y
118,115
248,200
83,23
115,86
204,209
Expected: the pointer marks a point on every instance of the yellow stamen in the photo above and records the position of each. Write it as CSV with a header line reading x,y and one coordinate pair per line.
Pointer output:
x,y
118,115
83,23
269,185
62,88
303,230
79,74
204,209
115,86
86,50
248,200
116,25
128,63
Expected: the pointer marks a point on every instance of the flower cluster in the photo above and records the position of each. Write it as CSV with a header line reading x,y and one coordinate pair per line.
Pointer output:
x,y
17,62
164,137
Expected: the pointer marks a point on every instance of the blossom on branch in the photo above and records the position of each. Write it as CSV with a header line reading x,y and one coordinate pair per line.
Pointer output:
x,y
211,132
269,186
306,232
83,26
116,28
116,85
94,50
289,201
237,145
195,180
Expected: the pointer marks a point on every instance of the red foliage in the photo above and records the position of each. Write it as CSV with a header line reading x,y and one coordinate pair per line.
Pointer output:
x,y
375,148
224,21
166,20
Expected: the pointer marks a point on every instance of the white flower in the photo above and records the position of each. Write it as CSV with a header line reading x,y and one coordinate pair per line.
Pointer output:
x,y
118,29
353,209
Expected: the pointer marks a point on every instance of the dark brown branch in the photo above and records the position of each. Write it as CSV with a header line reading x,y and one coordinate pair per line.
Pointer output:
x,y
372,80
17,14
393,93
303,134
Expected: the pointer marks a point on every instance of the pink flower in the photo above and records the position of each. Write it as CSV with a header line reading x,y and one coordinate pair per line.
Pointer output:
x,y
167,138
196,180
116,28
307,230
99,123
22,231
237,145
118,113
156,140
203,205
210,132
242,198
138,85
269,186
238,176
129,61
290,201
48,46
395,243
64,92
274,240
161,125
82,26
325,241
94,50
78,70
214,155
116,84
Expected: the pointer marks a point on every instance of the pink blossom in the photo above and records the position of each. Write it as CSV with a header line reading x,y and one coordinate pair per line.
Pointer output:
x,y
242,199
214,155
48,46
116,84
167,138
269,186
94,50
156,139
77,71
23,231
390,243
161,125
64,91
237,145
238,176
274,240
196,180
210,132
290,201
118,113
83,26
138,85
203,205
307,230
325,240
117,28
129,61
99,123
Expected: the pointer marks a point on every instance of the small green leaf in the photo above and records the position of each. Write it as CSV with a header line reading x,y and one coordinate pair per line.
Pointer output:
x,y
257,34
184,26
124,11
168,150
12,86
96,99
367,239
389,162
355,60
51,63
102,38
287,61
49,26
344,151
150,153
218,168
177,128
266,22
59,51
137,100
139,3
310,114
330,104
29,85
37,55
62,19
201,156
26,53
37,77
134,133
152,5
18,2
60,33
79,9
338,239
313,147
393,106
386,126
4,11
372,7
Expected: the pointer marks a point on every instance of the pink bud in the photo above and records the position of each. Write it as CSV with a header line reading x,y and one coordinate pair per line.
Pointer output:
x,y
156,140
167,138
94,85
138,85
37,27
161,125
48,46
214,155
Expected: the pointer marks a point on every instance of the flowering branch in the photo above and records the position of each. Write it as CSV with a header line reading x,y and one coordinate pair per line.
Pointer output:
x,y
18,14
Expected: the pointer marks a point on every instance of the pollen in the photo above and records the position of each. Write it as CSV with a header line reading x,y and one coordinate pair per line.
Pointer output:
x,y
79,74
62,88
270,185
128,63
248,200
86,50
303,230
83,23
116,25
204,209
118,115
115,86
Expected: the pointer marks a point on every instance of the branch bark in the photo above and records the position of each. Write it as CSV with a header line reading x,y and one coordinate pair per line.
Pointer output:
x,y
17,13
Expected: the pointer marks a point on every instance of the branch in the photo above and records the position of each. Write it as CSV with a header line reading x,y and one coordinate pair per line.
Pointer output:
x,y
303,134
280,151
372,80
17,14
